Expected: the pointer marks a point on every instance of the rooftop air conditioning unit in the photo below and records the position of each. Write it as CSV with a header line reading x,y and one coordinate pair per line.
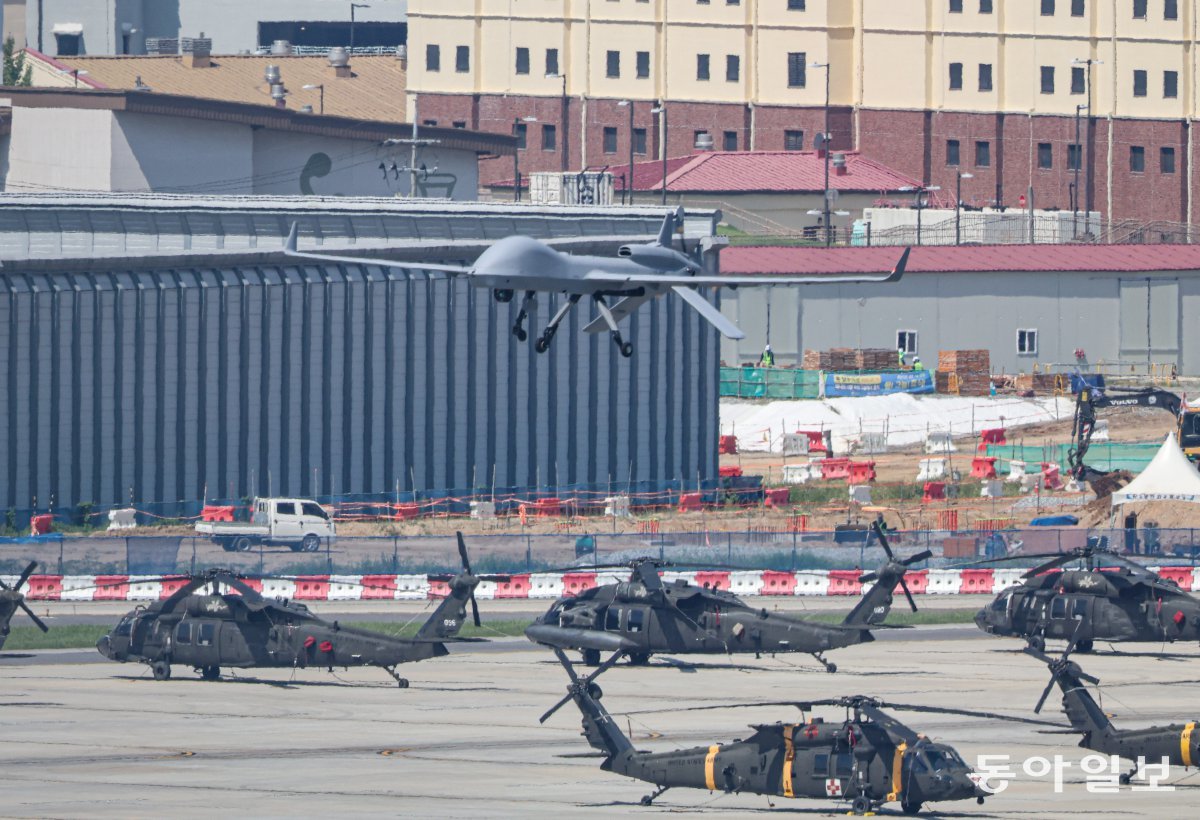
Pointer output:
x,y
281,48
338,57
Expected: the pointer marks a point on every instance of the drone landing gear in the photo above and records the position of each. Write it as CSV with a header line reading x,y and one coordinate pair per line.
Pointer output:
x,y
830,667
650,798
401,682
522,314
625,347
543,342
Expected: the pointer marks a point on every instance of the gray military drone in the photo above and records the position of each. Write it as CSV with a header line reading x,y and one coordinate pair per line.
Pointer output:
x,y
637,274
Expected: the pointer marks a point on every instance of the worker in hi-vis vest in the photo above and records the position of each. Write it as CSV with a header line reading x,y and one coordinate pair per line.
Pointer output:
x,y
767,359
900,357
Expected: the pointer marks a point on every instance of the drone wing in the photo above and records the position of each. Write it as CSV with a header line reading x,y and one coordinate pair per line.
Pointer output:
x,y
290,249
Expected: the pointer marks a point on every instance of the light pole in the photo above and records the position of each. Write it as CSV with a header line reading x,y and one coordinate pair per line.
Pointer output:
x,y
566,155
517,157
825,151
321,88
958,205
661,110
1075,185
74,72
1089,62
354,6
628,186
920,191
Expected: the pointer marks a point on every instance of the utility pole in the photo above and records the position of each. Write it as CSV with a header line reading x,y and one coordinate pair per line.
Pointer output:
x,y
825,151
354,6
661,110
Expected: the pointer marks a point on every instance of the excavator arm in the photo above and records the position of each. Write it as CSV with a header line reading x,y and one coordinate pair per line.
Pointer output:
x,y
1089,400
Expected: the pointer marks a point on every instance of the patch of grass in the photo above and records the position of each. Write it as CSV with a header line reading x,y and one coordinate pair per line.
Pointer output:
x,y
75,636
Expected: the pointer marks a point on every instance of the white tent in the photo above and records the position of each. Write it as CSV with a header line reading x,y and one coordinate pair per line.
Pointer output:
x,y
1168,477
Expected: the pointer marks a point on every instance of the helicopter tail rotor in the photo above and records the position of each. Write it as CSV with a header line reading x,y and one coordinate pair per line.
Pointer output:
x,y
466,565
20,600
1062,670
578,685
904,564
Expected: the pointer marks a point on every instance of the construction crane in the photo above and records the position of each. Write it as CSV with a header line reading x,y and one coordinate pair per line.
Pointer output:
x,y
1090,399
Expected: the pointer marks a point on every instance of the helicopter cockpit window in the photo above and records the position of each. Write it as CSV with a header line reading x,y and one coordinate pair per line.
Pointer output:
x,y
310,508
1001,603
612,619
637,620
183,633
124,627
940,760
204,635
1058,608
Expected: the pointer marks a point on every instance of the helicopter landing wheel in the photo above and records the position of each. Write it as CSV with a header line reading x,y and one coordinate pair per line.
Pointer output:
x,y
861,805
591,657
639,658
542,344
1037,643
910,808
648,799
402,683
210,672
1084,646
161,670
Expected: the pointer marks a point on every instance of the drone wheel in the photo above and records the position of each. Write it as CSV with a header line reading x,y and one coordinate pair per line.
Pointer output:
x,y
520,333
541,345
627,350
161,669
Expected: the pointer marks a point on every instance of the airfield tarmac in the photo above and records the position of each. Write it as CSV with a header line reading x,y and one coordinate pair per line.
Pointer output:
x,y
84,737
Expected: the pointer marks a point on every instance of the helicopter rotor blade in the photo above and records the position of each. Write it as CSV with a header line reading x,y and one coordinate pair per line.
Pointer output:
x,y
908,595
923,555
462,553
1057,561
36,620
25,575
883,542
1037,710
853,702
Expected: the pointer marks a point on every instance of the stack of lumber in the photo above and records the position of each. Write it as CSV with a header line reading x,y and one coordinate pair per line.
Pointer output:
x,y
847,358
1037,382
971,369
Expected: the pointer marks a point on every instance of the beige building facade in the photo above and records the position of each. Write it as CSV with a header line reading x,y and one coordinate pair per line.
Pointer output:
x,y
921,85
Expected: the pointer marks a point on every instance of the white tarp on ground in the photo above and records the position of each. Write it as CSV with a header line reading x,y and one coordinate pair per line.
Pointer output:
x,y
905,418
1168,477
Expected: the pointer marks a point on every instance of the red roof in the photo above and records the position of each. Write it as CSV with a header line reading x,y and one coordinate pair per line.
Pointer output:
x,y
761,171
770,259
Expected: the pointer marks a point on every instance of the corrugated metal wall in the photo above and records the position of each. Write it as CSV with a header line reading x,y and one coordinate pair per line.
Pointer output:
x,y
161,386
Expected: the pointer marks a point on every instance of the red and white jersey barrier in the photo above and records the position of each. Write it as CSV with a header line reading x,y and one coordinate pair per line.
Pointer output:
x,y
545,585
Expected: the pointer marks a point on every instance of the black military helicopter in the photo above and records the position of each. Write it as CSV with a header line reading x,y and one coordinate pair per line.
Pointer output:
x,y
1179,743
643,616
869,758
1112,599
12,599
240,628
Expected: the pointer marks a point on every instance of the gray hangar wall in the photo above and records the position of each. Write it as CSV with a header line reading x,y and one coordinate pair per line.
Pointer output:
x,y
161,385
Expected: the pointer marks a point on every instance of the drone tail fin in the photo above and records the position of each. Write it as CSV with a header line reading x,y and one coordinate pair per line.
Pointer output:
x,y
447,620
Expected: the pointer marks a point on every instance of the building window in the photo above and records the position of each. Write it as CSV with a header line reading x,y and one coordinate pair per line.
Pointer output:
x,y
433,58
1045,155
733,68
643,65
613,64
1170,84
955,76
68,45
733,2
983,154
522,60
1047,8
456,124
1166,160
952,152
610,139
639,140
906,340
1047,79
701,66
1078,80
1137,159
430,123
795,5
793,140
985,6
549,137
956,6
797,69
521,133
1074,157
462,59
1139,82
1139,9
1077,8
1027,342
985,76
1170,10
552,62
729,141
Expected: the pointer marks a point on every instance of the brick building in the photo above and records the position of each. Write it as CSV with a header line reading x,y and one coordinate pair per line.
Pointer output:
x,y
928,87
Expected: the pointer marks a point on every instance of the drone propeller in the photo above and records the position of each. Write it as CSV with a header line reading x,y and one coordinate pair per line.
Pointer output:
x,y
907,562
1059,666
579,684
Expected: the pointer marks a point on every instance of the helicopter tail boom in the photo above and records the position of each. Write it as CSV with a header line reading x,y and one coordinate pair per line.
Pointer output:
x,y
447,620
